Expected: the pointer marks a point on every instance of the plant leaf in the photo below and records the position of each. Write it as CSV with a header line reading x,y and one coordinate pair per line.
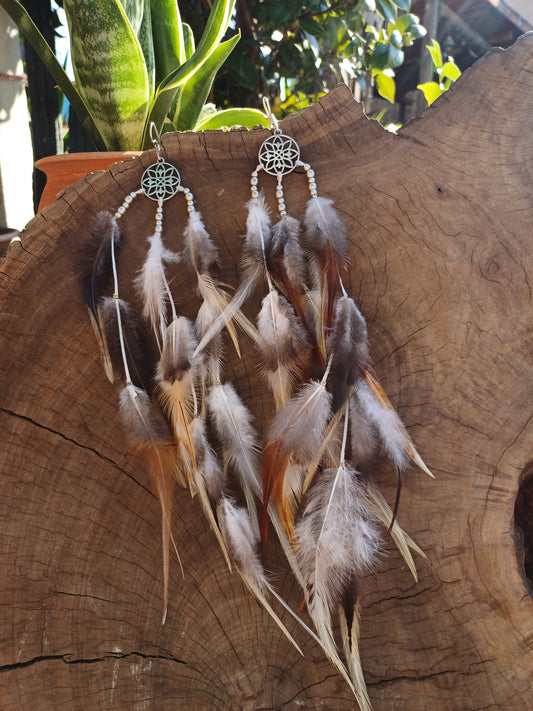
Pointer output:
x,y
386,86
110,70
233,117
169,37
194,92
436,55
215,28
431,91
450,70
403,4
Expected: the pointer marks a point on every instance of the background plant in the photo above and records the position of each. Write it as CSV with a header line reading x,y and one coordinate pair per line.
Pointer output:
x,y
135,61
298,50
447,72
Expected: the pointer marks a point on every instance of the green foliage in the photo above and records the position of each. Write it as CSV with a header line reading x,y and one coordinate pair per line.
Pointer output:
x,y
135,62
447,72
305,48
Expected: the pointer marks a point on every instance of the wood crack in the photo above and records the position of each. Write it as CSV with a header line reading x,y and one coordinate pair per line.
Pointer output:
x,y
70,659
74,442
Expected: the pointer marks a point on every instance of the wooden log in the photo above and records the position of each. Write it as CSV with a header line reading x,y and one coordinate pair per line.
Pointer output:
x,y
439,219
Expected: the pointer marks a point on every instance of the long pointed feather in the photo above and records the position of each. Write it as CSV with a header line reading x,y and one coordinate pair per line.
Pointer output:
x,y
302,422
200,252
241,541
350,637
382,511
232,422
282,343
105,230
287,263
152,284
253,266
324,227
176,378
347,344
148,431
396,441
209,481
336,539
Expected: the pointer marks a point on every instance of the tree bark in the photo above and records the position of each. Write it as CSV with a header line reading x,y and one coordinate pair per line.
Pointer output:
x,y
439,219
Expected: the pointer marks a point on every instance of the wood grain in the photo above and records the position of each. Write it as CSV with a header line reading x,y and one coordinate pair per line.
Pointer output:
x,y
439,219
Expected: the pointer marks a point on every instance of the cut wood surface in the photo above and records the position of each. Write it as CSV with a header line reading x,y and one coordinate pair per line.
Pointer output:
x,y
439,221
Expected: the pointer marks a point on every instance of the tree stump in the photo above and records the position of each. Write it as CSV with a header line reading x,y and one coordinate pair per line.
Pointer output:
x,y
439,220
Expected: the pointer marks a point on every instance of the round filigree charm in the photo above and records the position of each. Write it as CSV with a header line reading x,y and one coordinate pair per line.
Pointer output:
x,y
279,154
161,180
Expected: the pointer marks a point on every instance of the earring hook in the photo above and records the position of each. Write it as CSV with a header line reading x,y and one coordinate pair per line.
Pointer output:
x,y
155,138
270,116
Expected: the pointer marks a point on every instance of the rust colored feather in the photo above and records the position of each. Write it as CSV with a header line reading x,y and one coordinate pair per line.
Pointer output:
x,y
273,467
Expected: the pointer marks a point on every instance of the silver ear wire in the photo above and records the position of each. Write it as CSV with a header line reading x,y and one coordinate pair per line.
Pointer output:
x,y
156,139
270,116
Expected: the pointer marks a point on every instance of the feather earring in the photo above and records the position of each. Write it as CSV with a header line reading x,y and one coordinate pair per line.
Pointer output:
x,y
331,415
163,405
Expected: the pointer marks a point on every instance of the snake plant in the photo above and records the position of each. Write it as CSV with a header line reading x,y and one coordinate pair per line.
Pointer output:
x,y
135,62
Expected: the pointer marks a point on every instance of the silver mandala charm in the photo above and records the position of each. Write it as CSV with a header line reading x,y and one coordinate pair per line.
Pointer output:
x,y
161,181
279,154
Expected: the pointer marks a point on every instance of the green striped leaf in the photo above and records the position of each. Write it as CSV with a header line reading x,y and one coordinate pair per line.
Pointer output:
x,y
110,70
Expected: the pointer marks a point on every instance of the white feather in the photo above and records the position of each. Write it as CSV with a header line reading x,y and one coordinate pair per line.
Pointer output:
x,y
232,423
209,480
207,464
302,422
281,339
258,233
153,286
336,536
396,442
212,355
239,534
391,430
335,539
200,251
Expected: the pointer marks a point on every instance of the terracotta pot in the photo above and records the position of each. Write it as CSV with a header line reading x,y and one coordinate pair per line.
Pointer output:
x,y
64,170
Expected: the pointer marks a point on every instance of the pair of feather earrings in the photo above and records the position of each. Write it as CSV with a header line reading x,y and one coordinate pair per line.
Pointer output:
x,y
331,415
172,409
